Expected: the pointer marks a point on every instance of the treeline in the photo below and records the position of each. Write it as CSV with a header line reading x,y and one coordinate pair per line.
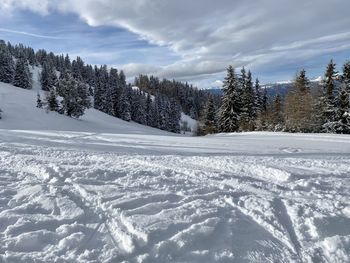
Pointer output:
x,y
191,99
70,87
246,107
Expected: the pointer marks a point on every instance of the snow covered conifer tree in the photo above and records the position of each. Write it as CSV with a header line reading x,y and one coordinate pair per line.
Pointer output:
x,y
258,97
23,77
248,115
7,66
277,114
138,108
149,110
75,96
51,99
230,108
101,100
346,76
125,113
210,117
48,76
342,123
174,116
115,92
328,102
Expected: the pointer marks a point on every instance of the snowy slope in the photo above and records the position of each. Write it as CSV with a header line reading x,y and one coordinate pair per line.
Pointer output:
x,y
190,123
20,112
104,190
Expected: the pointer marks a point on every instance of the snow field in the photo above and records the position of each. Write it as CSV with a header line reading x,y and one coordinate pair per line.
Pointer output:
x,y
103,190
67,197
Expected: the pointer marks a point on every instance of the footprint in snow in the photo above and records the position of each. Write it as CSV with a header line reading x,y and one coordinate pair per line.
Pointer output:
x,y
290,150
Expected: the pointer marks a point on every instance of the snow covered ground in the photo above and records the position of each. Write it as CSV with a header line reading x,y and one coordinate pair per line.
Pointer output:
x,y
103,190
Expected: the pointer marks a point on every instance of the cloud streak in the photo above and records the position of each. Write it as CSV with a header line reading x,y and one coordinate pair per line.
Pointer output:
x,y
29,34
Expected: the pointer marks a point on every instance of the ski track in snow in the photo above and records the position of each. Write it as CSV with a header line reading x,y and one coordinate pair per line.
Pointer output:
x,y
90,197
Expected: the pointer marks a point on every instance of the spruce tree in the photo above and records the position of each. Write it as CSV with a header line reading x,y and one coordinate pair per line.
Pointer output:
x,y
23,77
230,108
101,94
125,105
114,92
174,116
51,100
299,110
346,76
328,102
210,117
149,110
248,114
302,83
277,118
342,123
7,66
75,98
258,98
48,76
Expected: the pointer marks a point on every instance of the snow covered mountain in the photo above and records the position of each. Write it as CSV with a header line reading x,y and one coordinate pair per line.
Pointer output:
x,y
103,190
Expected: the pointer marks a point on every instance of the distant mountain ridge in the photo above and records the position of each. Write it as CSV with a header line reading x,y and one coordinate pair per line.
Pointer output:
x,y
279,87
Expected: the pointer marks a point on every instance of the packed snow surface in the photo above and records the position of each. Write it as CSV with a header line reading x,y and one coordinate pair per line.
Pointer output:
x,y
135,194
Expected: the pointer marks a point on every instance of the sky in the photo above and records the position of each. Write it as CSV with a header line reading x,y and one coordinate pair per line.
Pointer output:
x,y
190,41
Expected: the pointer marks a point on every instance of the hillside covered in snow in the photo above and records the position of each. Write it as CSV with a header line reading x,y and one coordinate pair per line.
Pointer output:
x,y
20,112
99,189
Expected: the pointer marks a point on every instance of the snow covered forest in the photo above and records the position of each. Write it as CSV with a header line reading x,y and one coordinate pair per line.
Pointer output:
x,y
246,106
70,87
95,169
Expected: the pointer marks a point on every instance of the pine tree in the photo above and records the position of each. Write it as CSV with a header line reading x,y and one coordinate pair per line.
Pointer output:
x,y
39,103
302,83
258,98
346,76
75,99
23,77
114,92
162,105
210,117
138,108
7,67
342,123
277,119
149,110
328,102
174,116
101,94
67,63
248,114
51,99
126,105
299,110
48,76
230,108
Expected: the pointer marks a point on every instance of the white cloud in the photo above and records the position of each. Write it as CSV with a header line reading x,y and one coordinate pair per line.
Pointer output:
x,y
208,35
6,30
